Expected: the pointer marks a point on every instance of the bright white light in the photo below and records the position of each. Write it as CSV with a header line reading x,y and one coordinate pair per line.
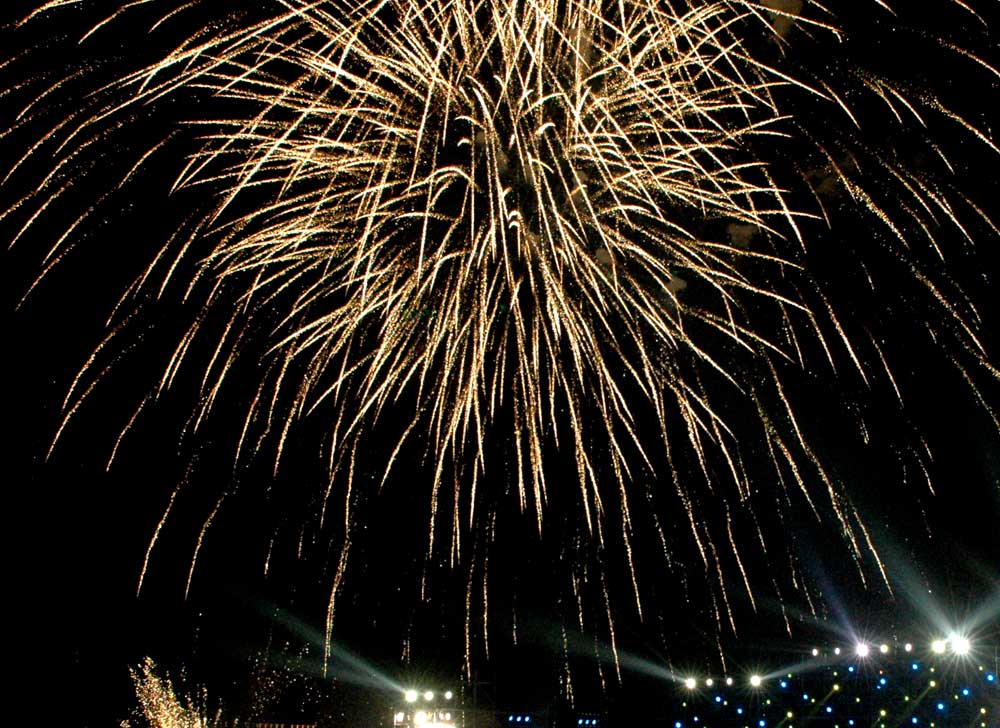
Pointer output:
x,y
690,683
429,695
398,718
420,718
710,682
448,695
411,696
729,681
939,646
836,650
908,647
755,681
861,649
960,645
884,649
815,652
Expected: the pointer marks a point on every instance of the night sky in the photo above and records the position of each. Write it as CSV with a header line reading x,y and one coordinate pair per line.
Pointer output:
x,y
80,531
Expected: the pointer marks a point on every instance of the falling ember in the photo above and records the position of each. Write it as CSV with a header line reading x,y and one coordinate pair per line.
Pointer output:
x,y
557,231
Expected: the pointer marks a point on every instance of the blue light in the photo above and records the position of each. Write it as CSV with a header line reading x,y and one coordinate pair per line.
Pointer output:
x,y
805,696
579,721
913,720
914,667
882,681
783,684
940,706
829,709
718,698
761,723
965,692
519,719
739,711
850,722
678,725
990,677
851,668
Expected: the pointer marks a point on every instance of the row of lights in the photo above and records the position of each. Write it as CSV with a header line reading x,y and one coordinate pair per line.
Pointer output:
x,y
412,696
690,683
956,644
422,717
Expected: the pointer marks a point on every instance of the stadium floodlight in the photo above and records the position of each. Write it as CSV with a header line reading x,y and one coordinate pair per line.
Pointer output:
x,y
960,645
411,696
939,646
429,695
690,683
861,649
448,695
755,681
883,648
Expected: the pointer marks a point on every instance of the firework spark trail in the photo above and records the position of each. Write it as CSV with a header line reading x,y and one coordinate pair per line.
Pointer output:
x,y
493,208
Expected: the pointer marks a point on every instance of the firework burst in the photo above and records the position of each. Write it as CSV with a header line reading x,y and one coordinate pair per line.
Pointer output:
x,y
553,234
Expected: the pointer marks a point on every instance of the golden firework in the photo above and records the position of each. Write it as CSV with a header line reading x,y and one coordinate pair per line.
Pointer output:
x,y
543,222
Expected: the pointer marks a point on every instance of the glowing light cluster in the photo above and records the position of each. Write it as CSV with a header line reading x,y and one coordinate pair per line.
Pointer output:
x,y
853,694
430,715
412,695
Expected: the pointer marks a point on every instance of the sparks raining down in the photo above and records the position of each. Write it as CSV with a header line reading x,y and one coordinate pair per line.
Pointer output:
x,y
160,705
548,231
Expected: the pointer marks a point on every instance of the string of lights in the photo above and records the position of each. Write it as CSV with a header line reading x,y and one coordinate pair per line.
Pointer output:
x,y
882,685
